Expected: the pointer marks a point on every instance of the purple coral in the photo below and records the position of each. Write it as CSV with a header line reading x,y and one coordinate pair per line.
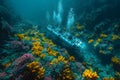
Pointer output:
x,y
20,63
18,44
48,78
19,66
80,66
23,59
2,74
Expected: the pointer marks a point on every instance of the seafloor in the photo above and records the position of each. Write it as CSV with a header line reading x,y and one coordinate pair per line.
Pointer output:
x,y
35,52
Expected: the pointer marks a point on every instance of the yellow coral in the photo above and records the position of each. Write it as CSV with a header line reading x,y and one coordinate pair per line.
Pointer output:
x,y
32,32
35,68
37,48
102,52
51,43
26,38
103,35
96,44
99,40
42,55
61,58
6,65
41,34
65,61
115,37
20,36
111,78
67,74
117,74
79,27
72,58
35,39
48,41
115,60
90,41
36,53
32,64
54,61
77,35
44,39
49,49
89,74
110,48
51,52
37,43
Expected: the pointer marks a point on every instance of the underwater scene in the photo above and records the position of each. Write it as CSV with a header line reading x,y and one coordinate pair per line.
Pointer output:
x,y
59,39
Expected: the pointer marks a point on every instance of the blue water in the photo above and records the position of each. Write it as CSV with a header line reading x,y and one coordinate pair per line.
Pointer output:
x,y
64,38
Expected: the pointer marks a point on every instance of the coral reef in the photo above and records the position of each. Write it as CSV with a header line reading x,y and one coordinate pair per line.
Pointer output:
x,y
67,49
35,70
47,61
90,75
